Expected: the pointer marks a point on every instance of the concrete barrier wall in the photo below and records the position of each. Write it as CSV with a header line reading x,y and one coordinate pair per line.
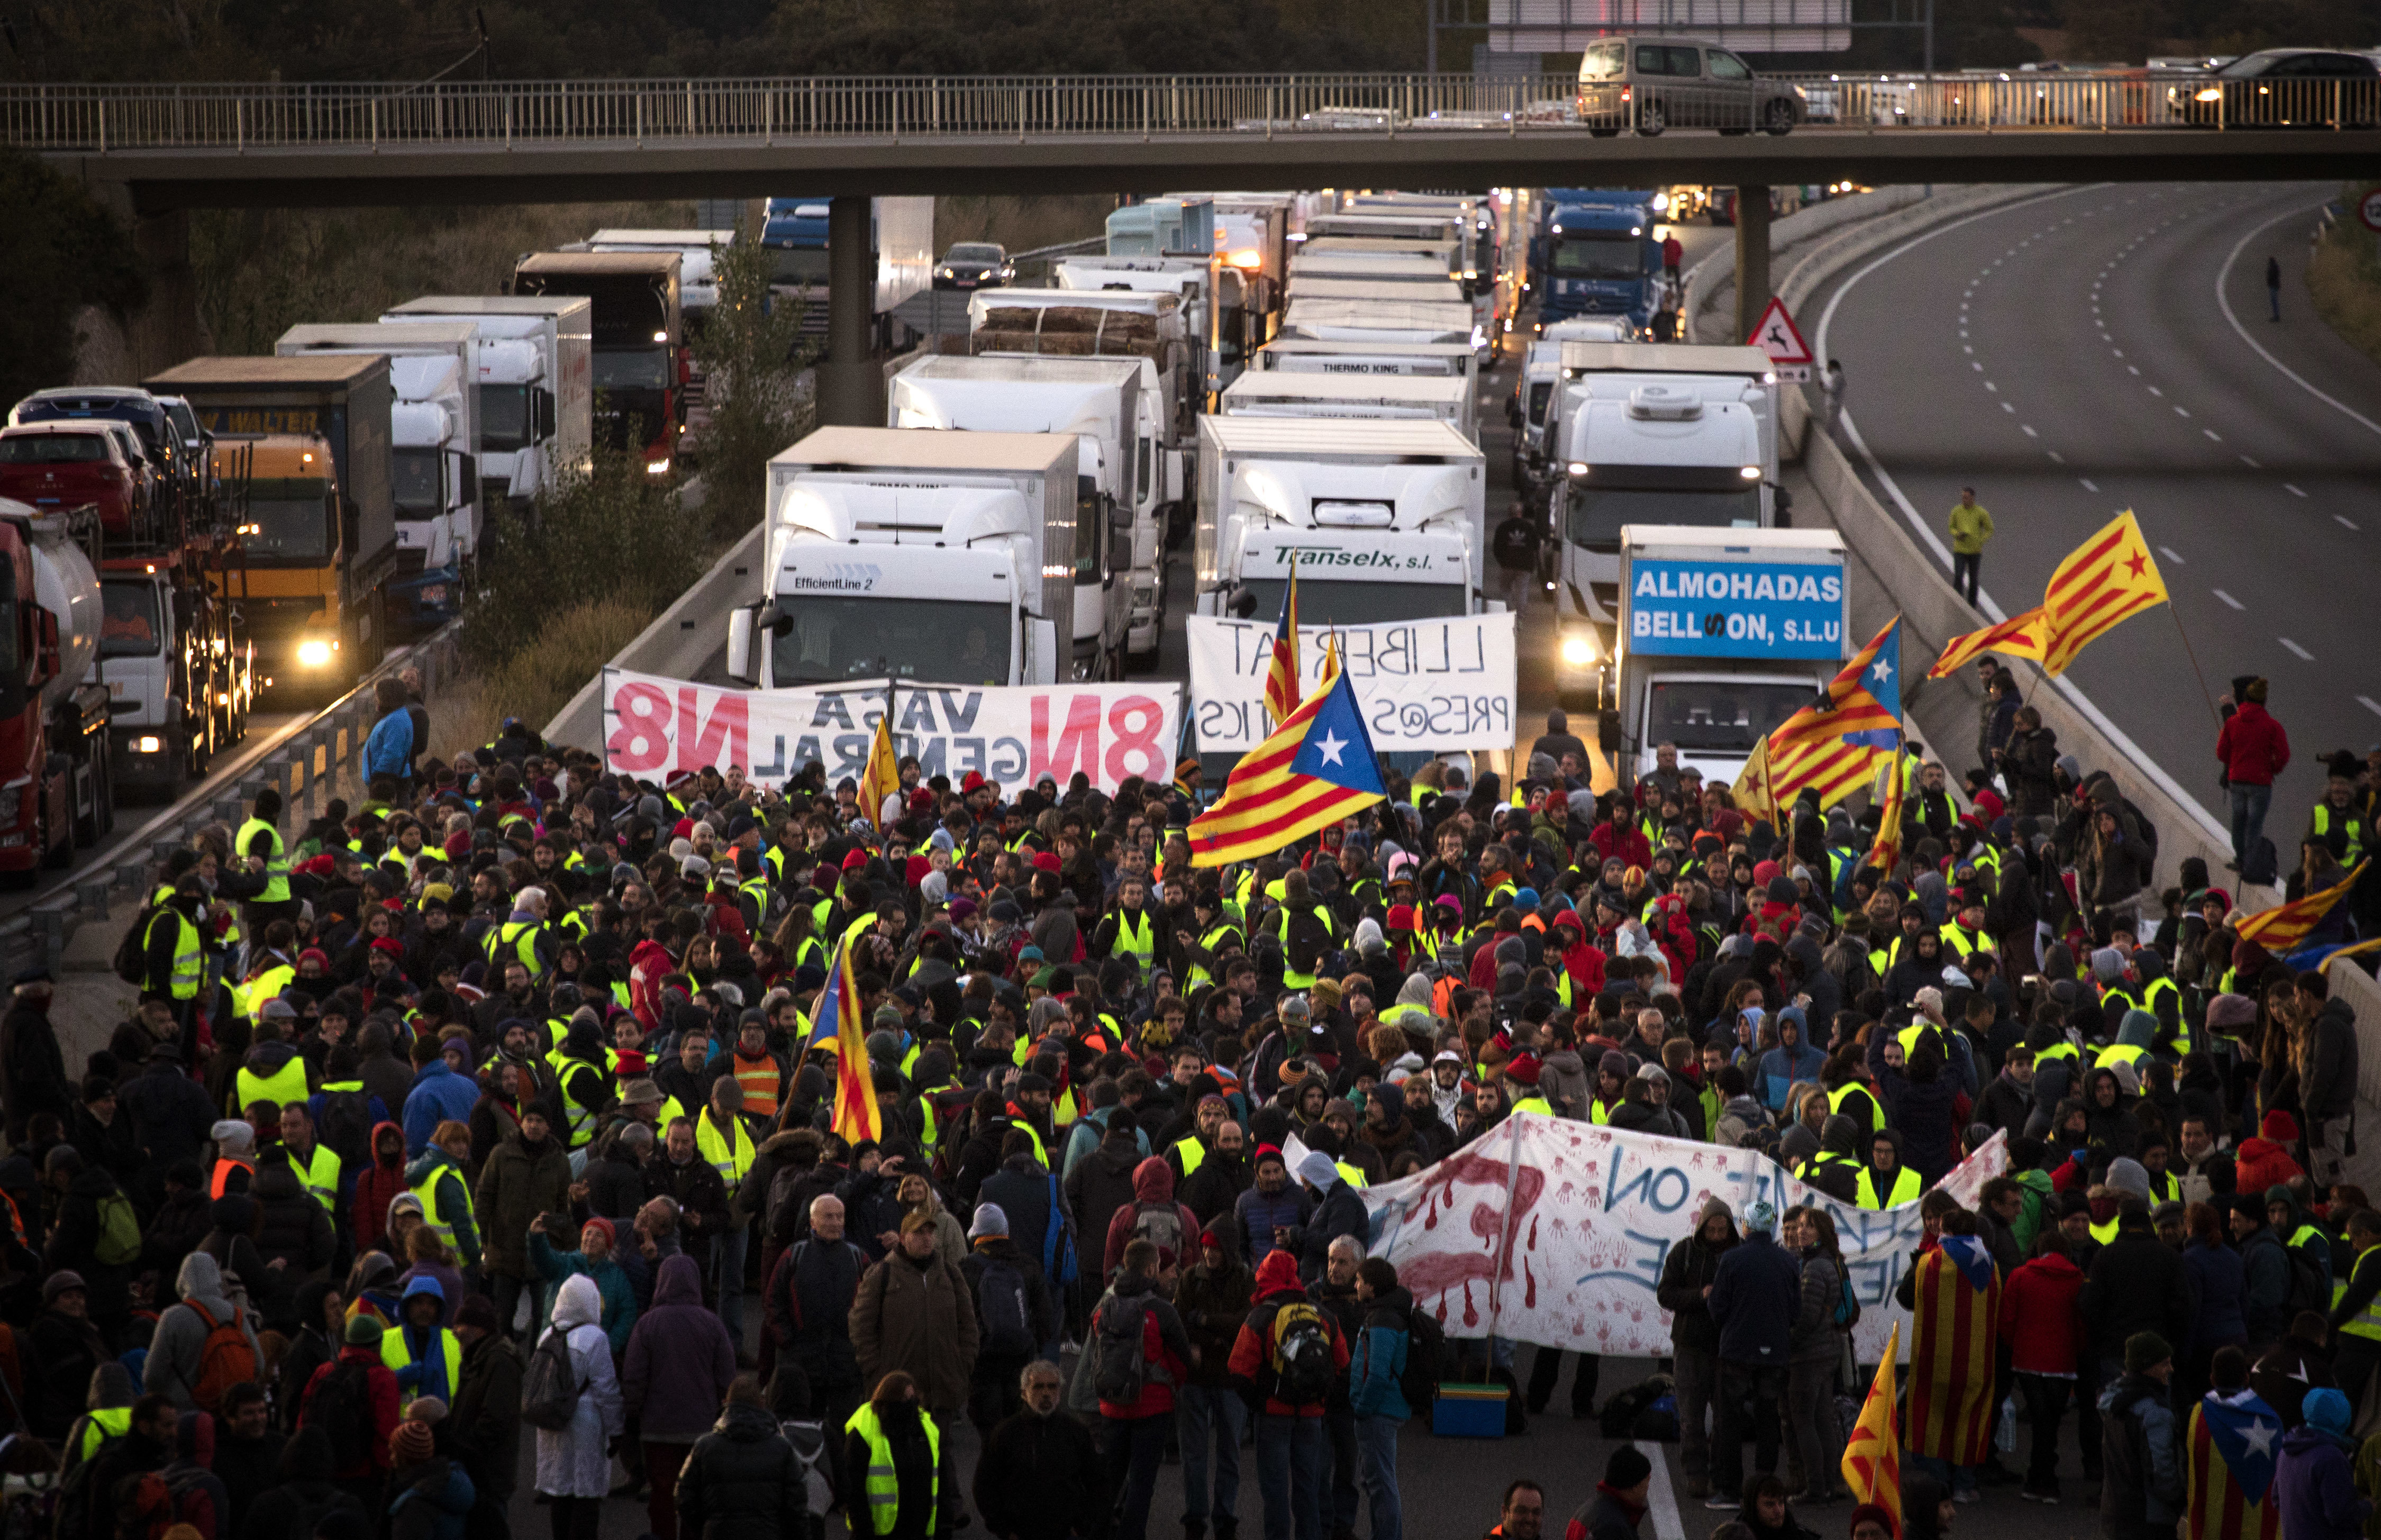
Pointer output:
x,y
676,645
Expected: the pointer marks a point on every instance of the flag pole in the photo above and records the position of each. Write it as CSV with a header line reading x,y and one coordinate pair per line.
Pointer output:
x,y
2204,691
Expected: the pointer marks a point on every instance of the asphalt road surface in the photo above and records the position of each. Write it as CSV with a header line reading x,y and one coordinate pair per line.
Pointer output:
x,y
2106,348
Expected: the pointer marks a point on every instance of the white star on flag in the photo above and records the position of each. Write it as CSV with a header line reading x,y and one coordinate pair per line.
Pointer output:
x,y
1881,671
1331,744
2259,1437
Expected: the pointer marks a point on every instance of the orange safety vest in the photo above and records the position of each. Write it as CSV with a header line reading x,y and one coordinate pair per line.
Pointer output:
x,y
760,1086
223,1173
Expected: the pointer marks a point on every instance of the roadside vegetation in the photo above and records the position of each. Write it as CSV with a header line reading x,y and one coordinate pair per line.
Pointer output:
x,y
754,389
2344,276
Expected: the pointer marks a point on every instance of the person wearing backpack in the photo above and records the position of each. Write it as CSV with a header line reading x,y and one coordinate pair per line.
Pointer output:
x,y
1377,1374
741,1479
808,1307
1015,1311
88,1234
1290,1354
353,1400
87,1498
1214,1301
1153,1216
679,1366
1143,1354
202,1346
574,1460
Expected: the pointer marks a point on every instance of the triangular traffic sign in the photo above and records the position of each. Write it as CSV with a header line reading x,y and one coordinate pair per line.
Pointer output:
x,y
1779,337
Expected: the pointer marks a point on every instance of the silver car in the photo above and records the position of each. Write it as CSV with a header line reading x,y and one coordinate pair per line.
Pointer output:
x,y
1652,83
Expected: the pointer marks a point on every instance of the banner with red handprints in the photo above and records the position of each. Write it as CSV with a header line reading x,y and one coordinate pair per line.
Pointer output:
x,y
1551,1232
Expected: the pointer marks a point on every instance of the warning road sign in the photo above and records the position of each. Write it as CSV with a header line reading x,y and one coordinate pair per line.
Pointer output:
x,y
1779,337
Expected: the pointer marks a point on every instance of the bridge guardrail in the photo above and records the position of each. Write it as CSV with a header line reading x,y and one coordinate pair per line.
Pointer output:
x,y
272,114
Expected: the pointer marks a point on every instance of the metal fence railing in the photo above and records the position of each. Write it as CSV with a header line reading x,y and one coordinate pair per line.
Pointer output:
x,y
278,114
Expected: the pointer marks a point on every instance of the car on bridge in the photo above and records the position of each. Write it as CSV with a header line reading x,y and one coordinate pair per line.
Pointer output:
x,y
974,264
1650,84
2283,87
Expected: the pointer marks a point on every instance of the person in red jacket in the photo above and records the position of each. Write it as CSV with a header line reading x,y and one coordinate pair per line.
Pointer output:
x,y
377,1186
1274,1354
1133,1433
1153,1216
2264,1161
353,1398
2042,1324
1618,837
2255,749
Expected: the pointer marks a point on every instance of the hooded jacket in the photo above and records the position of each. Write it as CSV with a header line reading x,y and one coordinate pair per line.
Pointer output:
x,y
919,1318
2314,1485
680,1362
176,1349
1165,1349
575,1461
1103,1182
2263,1160
1251,1361
741,1481
1789,1062
1153,1186
377,1185
438,1095
2042,1318
517,1185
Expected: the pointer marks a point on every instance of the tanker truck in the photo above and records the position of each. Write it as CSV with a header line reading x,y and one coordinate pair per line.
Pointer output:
x,y
56,786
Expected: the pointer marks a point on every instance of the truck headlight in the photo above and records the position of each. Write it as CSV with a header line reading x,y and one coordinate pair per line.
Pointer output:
x,y
1751,473
148,744
1576,468
1578,648
2210,93
314,654
12,803
657,466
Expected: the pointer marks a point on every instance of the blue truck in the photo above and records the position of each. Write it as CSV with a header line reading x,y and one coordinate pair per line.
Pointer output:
x,y
1595,254
901,234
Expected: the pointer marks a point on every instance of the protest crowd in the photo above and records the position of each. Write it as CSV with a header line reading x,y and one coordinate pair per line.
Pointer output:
x,y
719,1146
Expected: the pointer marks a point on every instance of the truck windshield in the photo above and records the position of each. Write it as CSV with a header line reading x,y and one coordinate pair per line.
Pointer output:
x,y
1088,543
52,449
1598,512
129,629
288,519
1599,256
1346,603
414,474
797,265
504,418
631,368
1719,715
859,638
1541,391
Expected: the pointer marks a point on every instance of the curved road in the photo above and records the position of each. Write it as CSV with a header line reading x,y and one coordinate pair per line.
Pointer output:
x,y
2106,347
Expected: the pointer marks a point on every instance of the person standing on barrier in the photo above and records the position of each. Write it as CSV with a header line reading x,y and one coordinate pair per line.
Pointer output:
x,y
1971,526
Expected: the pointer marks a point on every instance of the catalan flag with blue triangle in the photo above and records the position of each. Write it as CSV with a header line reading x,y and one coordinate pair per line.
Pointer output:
x,y
1831,746
1316,768
1281,674
2230,1450
837,1025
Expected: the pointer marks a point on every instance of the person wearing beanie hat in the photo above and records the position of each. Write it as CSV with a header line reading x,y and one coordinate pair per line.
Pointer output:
x,y
1618,1506
1756,1294
366,1389
2141,1485
2314,1481
989,1223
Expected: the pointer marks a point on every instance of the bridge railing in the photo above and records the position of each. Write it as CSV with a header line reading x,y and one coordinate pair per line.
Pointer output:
x,y
273,115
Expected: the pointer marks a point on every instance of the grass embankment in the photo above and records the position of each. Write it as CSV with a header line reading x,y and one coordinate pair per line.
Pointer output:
x,y
2344,276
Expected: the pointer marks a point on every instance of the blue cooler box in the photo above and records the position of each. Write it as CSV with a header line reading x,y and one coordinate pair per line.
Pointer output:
x,y
1469,1412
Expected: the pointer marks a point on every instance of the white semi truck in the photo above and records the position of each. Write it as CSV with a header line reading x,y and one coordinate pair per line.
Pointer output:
x,y
1724,634
1302,355
1272,393
1113,408
1644,434
1386,518
433,452
915,555
533,373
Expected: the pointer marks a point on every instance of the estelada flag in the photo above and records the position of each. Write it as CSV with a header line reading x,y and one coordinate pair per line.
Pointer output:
x,y
2282,927
1953,1327
882,777
1831,747
1281,674
838,1026
2104,580
1886,853
2231,1447
2019,636
1872,1464
1314,769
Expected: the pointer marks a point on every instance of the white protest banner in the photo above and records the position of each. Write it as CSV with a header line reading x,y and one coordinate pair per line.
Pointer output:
x,y
658,728
1553,1232
1429,685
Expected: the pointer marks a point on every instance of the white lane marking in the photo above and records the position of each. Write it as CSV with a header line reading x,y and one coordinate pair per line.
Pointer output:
x,y
2213,433
2182,412
2292,490
2367,703
2137,369
1661,1503
2348,522
2088,486
1989,385
2293,376
2057,458
2251,464
2007,405
1978,366
2029,432
2230,600
2303,655
2173,555
2155,391
2119,352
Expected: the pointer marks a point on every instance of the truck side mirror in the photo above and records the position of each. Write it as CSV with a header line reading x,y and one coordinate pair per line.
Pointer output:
x,y
541,413
1784,506
1607,732
1243,605
741,620
469,473
48,667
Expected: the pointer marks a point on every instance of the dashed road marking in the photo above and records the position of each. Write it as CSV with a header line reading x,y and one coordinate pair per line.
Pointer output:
x,y
2292,490
2088,484
2303,655
2230,600
2171,554
2250,463
2213,433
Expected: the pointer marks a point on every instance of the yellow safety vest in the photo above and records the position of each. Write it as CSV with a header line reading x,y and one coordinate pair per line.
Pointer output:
x,y
884,1484
1817,1165
581,1117
101,1424
1349,1174
522,936
1963,942
2366,1323
397,1355
1904,1191
2105,1233
249,997
2057,1050
1842,1093
286,1085
320,1173
1143,947
1191,1151
2355,833
1290,977
733,1161
276,861
1538,1105
427,1190
1212,944
2118,1053
189,956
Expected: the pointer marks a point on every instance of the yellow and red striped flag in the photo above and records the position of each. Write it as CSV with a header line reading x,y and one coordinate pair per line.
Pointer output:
x,y
1952,1331
1751,792
1872,1462
1833,749
1281,675
882,777
2107,579
2020,636
2231,1457
1886,853
839,1027
2282,927
1316,768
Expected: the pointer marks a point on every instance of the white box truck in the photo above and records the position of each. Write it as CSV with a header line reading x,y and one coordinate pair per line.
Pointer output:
x,y
1271,393
1386,518
535,385
1645,433
434,452
1724,634
914,555
1303,355
1112,407
1534,388
1381,321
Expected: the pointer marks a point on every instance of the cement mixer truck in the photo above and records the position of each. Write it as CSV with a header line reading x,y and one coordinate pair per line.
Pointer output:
x,y
56,787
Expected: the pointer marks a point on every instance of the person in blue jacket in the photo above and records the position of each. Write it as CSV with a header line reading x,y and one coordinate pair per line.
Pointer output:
x,y
1793,1059
388,749
1375,1388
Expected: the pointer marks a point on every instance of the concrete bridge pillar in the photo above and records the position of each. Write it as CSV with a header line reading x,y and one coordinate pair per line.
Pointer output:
x,y
1752,259
851,382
